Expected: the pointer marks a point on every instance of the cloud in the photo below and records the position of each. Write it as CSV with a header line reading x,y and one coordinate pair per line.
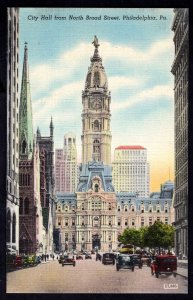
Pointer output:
x,y
154,93
66,65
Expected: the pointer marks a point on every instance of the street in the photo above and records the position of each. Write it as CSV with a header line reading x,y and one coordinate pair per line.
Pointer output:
x,y
90,276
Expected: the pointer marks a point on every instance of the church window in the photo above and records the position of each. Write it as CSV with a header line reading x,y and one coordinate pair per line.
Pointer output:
x,y
26,206
21,206
24,146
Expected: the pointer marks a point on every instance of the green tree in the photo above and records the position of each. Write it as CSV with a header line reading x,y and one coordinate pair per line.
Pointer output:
x,y
131,236
159,235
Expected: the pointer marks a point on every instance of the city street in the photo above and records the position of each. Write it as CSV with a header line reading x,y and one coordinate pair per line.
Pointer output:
x,y
90,276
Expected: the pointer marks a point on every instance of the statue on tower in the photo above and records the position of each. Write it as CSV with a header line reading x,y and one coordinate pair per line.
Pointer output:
x,y
95,42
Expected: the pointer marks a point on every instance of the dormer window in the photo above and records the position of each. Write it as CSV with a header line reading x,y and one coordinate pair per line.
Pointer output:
x,y
96,188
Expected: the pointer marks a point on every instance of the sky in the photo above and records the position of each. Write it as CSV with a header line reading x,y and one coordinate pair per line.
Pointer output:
x,y
137,51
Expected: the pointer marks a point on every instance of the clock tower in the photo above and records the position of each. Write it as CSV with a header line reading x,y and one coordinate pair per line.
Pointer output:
x,y
96,99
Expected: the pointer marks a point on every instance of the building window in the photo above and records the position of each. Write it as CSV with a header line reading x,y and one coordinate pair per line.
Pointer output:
x,y
14,229
118,208
26,206
21,206
59,221
119,223
66,222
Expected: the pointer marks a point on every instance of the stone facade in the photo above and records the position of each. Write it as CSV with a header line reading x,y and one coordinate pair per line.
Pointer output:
x,y
12,100
31,229
46,146
97,218
96,99
180,27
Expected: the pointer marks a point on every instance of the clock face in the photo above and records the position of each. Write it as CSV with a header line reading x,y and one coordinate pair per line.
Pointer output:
x,y
96,104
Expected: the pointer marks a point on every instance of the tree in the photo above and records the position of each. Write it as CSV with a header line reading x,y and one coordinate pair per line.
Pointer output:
x,y
131,236
159,235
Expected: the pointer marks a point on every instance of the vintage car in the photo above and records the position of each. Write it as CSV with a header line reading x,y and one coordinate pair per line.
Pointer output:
x,y
125,261
108,258
137,260
68,260
88,256
38,260
79,257
164,264
18,261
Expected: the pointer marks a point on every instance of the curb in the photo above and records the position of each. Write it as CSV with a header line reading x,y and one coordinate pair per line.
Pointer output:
x,y
185,276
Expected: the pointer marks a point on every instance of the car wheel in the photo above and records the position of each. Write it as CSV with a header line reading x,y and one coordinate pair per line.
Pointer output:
x,y
174,274
157,274
132,269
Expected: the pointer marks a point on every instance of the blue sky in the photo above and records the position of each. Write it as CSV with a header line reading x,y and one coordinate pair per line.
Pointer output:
x,y
137,56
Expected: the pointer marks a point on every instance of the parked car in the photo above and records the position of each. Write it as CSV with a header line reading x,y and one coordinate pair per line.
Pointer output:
x,y
38,260
18,261
68,260
125,261
108,258
31,260
78,257
88,256
137,260
164,264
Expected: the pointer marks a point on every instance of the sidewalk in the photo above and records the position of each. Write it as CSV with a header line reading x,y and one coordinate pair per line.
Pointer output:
x,y
182,269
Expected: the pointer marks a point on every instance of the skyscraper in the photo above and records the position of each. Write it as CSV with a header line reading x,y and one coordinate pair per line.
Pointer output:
x,y
131,170
66,165
12,215
180,27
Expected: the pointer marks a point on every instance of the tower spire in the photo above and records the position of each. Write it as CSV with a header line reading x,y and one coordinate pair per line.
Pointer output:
x,y
25,112
96,56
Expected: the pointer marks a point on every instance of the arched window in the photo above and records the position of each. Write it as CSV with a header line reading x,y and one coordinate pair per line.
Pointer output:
x,y
96,125
14,228
21,206
26,206
97,79
88,79
96,146
96,188
24,146
8,227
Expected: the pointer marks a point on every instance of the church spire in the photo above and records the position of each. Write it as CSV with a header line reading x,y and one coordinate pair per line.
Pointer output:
x,y
51,128
25,112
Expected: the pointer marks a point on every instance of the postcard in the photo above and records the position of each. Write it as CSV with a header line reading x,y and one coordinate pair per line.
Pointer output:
x,y
97,102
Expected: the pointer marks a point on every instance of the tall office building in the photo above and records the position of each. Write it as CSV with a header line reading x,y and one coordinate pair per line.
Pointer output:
x,y
66,165
180,27
131,170
12,214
